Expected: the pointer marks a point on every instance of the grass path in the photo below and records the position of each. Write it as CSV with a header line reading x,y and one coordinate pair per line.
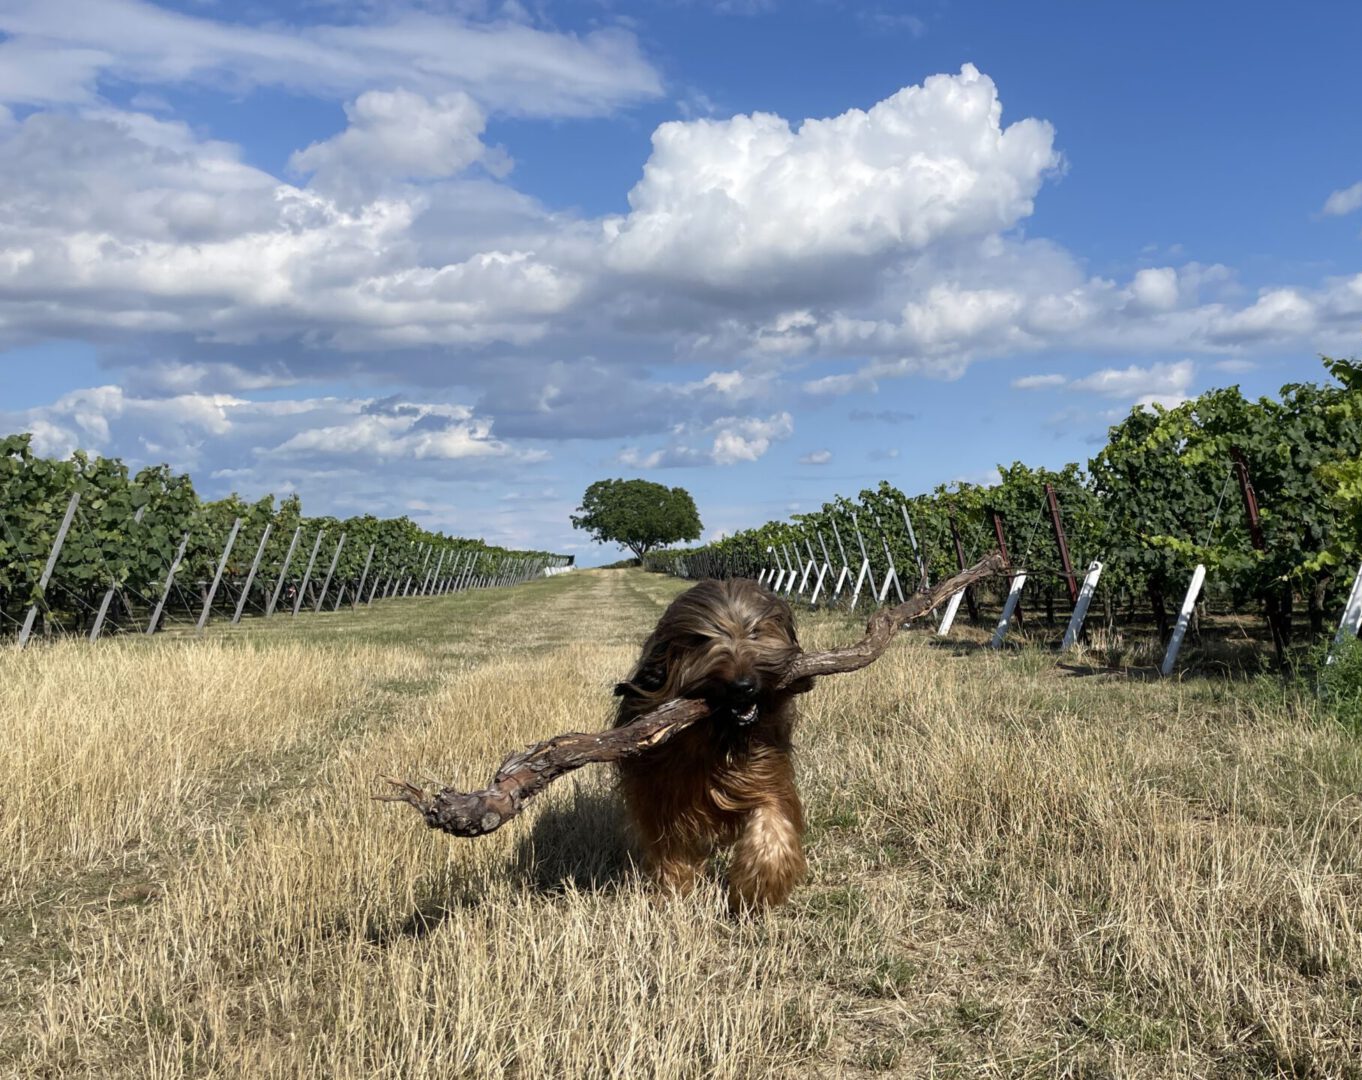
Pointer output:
x,y
1014,871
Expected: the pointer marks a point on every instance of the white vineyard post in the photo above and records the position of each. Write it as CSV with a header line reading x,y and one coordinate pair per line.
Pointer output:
x,y
395,570
1352,617
165,589
359,589
793,564
769,574
403,574
893,574
250,578
1013,596
326,584
432,574
51,565
456,578
283,571
846,566
307,574
425,561
948,619
823,571
865,561
923,581
780,570
808,571
109,592
1184,617
217,576
404,578
808,567
449,574
1081,607
860,580
467,572
385,562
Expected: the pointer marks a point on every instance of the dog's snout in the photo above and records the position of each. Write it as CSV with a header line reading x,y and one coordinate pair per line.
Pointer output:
x,y
744,688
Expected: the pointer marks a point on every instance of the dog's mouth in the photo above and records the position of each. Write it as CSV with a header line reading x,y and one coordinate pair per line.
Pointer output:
x,y
739,714
746,717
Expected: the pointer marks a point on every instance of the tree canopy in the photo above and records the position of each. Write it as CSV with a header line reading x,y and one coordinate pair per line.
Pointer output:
x,y
637,514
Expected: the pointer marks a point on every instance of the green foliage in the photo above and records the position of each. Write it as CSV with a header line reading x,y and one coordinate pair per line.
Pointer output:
x,y
1334,686
1158,498
637,514
107,546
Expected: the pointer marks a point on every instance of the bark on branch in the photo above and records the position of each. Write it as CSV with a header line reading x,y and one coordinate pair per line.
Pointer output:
x,y
523,775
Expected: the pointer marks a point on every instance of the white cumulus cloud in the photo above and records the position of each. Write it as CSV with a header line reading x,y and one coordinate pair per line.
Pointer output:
x,y
399,134
733,201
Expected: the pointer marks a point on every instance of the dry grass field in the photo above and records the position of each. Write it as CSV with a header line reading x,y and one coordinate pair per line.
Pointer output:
x,y
1018,868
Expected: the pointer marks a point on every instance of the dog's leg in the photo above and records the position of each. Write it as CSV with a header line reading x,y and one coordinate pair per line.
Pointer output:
x,y
675,863
768,859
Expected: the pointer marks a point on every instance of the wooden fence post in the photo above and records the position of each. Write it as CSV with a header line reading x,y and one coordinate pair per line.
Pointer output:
x,y
1061,542
960,558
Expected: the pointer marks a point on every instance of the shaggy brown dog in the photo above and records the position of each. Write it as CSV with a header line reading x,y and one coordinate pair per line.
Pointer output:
x,y
728,779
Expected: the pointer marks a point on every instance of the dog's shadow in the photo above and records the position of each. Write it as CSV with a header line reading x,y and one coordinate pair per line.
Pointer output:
x,y
581,844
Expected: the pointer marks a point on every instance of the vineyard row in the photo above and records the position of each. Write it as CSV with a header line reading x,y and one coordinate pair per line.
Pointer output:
x,y
85,548
1264,495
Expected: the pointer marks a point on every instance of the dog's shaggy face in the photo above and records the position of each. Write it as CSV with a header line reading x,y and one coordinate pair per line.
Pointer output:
x,y
726,642
729,779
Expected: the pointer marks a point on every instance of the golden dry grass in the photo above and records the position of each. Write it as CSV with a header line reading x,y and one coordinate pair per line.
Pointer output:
x,y
1016,870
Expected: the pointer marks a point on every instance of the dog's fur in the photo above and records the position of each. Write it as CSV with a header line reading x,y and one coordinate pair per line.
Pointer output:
x,y
730,778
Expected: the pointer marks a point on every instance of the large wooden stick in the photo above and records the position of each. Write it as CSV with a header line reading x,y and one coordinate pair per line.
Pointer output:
x,y
525,774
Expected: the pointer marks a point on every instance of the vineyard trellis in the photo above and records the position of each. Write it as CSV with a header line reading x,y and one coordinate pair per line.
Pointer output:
x,y
1154,504
87,548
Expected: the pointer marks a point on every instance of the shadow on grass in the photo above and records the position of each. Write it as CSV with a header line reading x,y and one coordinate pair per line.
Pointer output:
x,y
583,845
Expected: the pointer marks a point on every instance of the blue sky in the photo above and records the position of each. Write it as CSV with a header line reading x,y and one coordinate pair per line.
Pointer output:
x,y
459,260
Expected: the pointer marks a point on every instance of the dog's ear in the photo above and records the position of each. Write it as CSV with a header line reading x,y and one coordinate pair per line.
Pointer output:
x,y
649,679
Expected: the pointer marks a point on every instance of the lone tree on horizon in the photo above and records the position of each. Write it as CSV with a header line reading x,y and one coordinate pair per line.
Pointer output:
x,y
637,514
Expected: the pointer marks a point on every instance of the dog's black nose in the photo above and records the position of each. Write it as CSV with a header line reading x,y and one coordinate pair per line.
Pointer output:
x,y
743,688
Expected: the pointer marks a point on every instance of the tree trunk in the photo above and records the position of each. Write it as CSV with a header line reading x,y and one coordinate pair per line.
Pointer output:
x,y
1156,602
1318,592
